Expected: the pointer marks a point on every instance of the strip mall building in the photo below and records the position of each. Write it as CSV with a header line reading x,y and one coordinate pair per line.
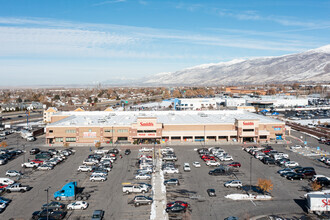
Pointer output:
x,y
162,126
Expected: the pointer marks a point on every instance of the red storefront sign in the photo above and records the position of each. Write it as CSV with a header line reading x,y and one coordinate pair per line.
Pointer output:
x,y
146,124
248,123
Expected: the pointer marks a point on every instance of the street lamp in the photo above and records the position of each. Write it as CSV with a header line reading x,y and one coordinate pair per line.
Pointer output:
x,y
250,173
47,202
23,158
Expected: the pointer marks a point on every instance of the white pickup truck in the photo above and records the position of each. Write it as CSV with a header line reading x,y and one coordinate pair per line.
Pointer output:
x,y
30,165
145,149
17,187
135,189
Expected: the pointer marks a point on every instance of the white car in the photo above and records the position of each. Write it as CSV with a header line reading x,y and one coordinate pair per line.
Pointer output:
x,y
296,147
233,183
13,173
145,149
226,158
212,163
45,167
196,164
96,173
2,205
143,177
170,170
90,162
84,168
186,167
94,178
77,205
291,164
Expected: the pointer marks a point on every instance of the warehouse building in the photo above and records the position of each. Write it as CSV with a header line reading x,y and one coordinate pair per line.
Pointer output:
x,y
162,126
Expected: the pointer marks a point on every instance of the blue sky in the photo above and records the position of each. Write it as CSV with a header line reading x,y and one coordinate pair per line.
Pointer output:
x,y
82,42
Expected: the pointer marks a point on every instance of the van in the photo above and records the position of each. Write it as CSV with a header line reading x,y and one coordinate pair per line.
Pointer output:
x,y
6,181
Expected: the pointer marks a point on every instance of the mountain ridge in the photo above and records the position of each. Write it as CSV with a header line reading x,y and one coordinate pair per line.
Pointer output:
x,y
309,66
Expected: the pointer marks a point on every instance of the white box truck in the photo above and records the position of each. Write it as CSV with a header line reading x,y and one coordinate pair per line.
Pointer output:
x,y
318,203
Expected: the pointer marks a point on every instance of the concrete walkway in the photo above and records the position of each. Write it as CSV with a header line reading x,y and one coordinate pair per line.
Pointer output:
x,y
159,193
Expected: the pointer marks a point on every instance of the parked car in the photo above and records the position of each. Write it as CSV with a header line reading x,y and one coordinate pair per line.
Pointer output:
x,y
30,165
34,151
170,204
78,205
54,205
196,164
94,178
45,167
217,172
211,192
226,158
17,187
127,151
285,170
143,177
176,209
142,200
172,182
170,170
308,174
13,173
291,164
295,176
51,214
234,184
234,164
323,181
98,215
84,168
268,160
212,163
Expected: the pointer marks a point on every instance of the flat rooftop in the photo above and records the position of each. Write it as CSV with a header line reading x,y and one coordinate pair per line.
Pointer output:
x,y
118,119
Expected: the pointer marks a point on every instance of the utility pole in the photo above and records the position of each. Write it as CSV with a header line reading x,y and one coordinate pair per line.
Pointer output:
x,y
47,201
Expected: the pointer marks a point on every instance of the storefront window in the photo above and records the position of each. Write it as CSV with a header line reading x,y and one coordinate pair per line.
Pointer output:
x,y
58,139
70,139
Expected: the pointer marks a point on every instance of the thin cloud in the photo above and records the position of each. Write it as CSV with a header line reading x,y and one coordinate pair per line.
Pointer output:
x,y
108,2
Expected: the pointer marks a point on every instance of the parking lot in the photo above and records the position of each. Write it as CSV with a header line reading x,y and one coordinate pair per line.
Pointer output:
x,y
108,195
287,195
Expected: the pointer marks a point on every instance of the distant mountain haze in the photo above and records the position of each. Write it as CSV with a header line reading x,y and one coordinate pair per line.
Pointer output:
x,y
309,66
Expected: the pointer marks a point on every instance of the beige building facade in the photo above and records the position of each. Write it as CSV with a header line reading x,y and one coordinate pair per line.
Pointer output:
x,y
160,127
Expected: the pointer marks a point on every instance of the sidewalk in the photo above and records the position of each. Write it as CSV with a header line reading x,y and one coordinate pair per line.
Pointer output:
x,y
159,194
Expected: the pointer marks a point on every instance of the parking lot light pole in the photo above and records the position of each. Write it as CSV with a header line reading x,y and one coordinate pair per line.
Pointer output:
x,y
47,202
250,173
24,158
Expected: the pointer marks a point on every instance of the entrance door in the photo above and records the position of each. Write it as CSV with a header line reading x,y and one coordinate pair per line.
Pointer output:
x,y
248,139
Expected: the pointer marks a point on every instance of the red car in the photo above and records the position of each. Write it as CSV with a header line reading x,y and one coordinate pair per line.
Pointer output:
x,y
234,164
266,150
37,161
2,186
183,204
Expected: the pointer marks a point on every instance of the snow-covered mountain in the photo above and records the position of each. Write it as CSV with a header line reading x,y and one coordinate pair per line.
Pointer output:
x,y
310,66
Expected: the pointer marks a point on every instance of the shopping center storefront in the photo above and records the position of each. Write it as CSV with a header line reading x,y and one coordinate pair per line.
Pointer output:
x,y
160,127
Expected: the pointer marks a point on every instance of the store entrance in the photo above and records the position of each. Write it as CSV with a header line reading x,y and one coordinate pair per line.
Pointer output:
x,y
248,139
146,141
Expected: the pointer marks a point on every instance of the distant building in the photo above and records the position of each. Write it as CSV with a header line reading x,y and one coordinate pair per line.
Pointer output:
x,y
48,114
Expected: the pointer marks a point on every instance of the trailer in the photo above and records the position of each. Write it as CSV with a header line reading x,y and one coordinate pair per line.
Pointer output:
x,y
318,203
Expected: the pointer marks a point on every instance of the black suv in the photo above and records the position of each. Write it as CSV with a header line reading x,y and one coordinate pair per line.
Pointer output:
x,y
217,172
295,176
323,181
268,160
34,151
127,151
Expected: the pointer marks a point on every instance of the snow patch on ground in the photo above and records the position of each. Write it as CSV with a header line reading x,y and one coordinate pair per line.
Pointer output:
x,y
247,197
